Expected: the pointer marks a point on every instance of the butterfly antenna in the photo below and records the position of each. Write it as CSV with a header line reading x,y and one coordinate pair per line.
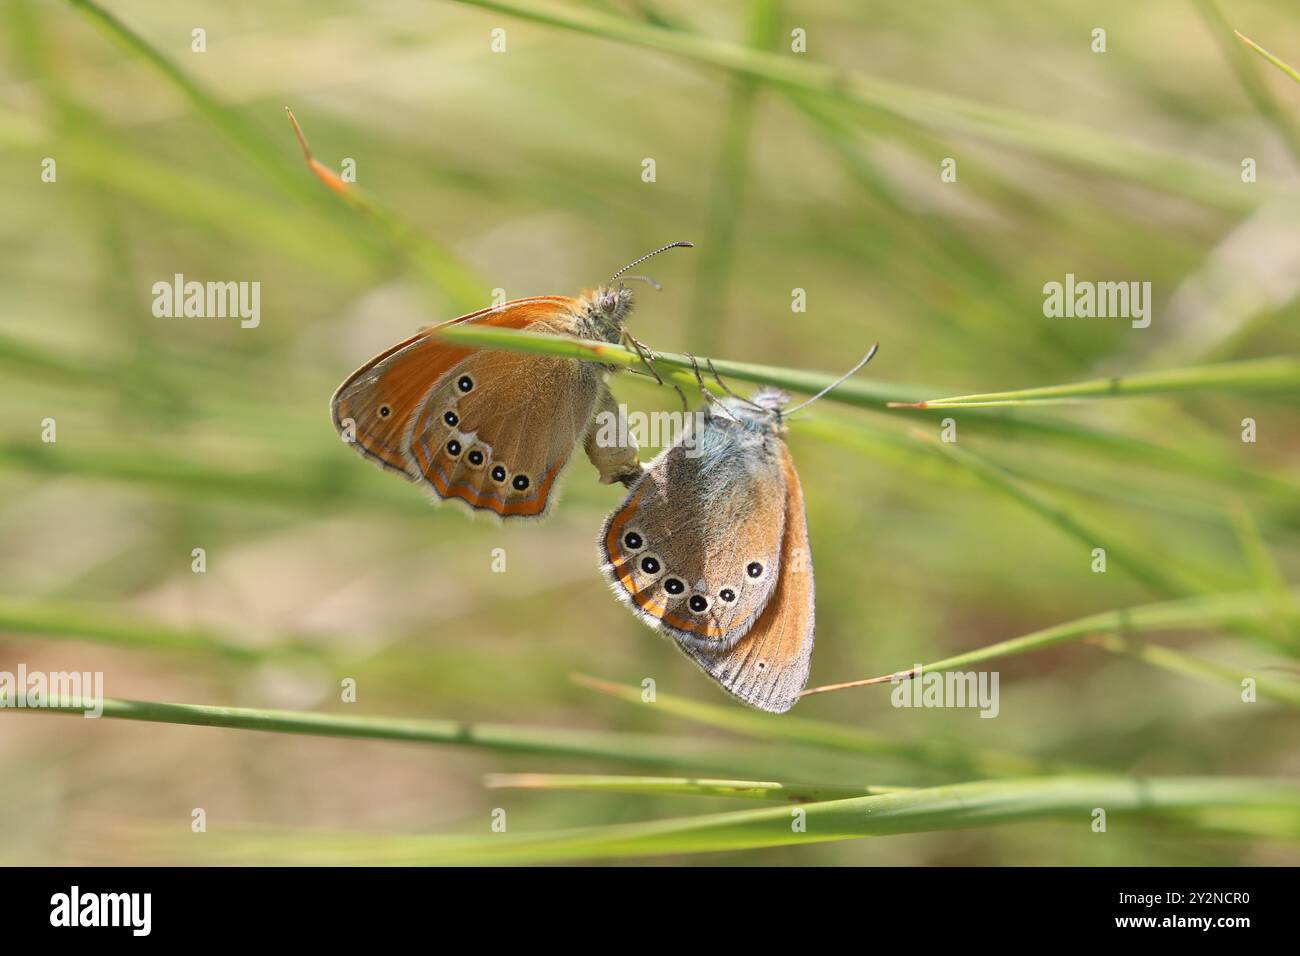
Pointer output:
x,y
838,382
648,255
651,282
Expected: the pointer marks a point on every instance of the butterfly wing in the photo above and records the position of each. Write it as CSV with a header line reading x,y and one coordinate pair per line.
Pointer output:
x,y
729,524
498,429
374,406
707,515
768,667
513,420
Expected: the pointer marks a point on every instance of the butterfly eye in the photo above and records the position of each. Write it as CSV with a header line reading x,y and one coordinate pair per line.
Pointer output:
x,y
698,603
451,418
498,473
464,383
384,411
520,482
475,457
754,569
650,564
453,448
632,541
674,586
727,595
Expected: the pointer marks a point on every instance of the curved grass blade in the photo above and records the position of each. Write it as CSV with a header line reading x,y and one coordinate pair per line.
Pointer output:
x,y
1190,666
1089,149
1251,82
679,786
1198,613
933,754
442,268
1245,806
1276,61
1131,559
1280,375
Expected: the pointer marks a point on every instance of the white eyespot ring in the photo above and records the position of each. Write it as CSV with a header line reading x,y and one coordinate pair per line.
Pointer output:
x,y
632,540
649,566
698,603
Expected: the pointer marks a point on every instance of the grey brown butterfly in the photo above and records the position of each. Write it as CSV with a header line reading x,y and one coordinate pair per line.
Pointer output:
x,y
489,429
711,548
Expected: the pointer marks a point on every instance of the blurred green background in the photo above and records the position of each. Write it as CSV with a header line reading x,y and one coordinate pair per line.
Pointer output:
x,y
522,170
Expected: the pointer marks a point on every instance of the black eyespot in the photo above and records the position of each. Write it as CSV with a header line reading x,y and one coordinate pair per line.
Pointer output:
x,y
464,383
698,603
753,569
451,418
520,482
475,457
650,564
674,586
632,541
727,595
498,473
762,665
384,411
453,448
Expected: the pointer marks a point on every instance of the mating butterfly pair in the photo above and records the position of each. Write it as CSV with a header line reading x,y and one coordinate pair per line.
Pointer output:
x,y
711,547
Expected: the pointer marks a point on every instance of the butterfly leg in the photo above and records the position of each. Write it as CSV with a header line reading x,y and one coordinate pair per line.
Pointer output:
x,y
724,386
704,389
646,355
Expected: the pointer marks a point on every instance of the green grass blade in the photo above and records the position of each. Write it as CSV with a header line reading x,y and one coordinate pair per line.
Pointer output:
x,y
1135,562
1281,375
1198,613
1277,62
205,104
1191,666
876,396
1069,800
1090,149
679,786
708,308
316,483
1285,622
442,268
935,754
1256,89
854,391
636,749
108,625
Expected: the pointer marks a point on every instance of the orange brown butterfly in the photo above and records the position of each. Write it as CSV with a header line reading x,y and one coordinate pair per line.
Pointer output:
x,y
493,430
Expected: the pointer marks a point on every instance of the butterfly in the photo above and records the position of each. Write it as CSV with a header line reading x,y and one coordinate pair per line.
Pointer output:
x,y
489,429
711,547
